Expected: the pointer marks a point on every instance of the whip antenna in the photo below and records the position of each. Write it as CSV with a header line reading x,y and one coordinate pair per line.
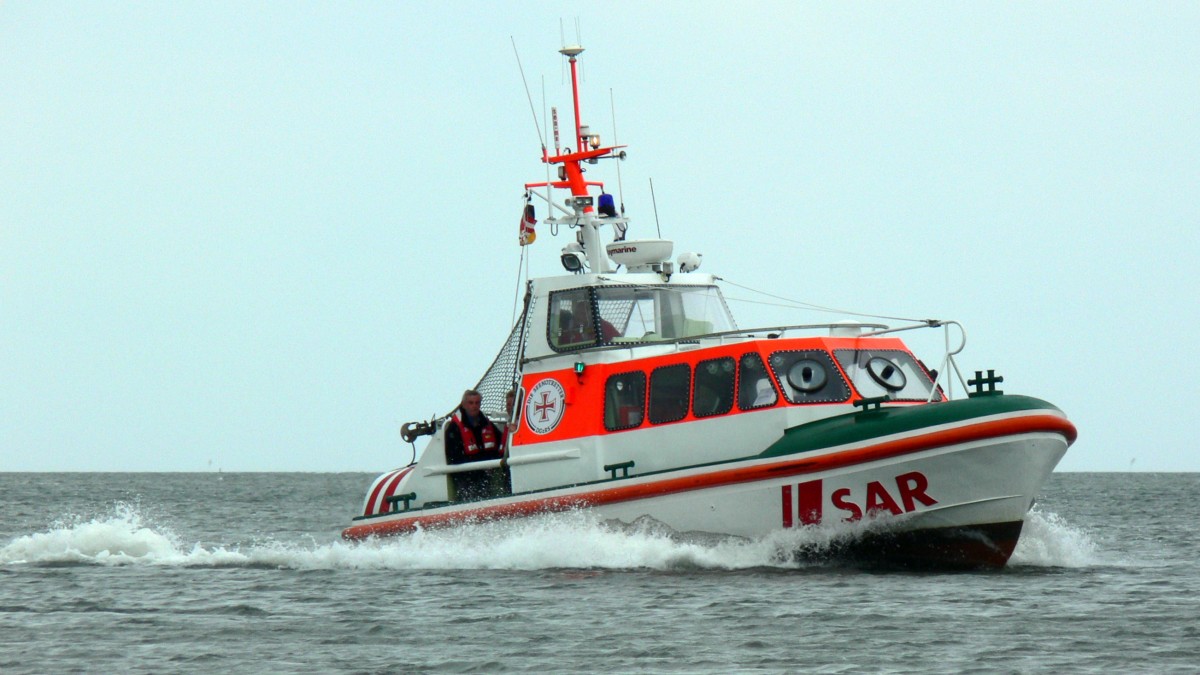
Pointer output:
x,y
536,126
620,189
546,142
562,40
655,203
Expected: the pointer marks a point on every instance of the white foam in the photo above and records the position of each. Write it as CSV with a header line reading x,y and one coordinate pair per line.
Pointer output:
x,y
1049,541
120,538
572,541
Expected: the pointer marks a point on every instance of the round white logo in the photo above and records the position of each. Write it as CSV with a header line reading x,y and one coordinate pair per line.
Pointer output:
x,y
544,407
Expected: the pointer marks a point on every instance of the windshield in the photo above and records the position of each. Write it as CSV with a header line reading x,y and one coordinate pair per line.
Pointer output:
x,y
647,314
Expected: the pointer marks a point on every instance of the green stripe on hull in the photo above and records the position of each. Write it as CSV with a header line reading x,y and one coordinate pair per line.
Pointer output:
x,y
862,426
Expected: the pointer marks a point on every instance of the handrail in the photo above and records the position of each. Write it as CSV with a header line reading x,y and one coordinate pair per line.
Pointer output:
x,y
440,470
948,361
928,323
947,364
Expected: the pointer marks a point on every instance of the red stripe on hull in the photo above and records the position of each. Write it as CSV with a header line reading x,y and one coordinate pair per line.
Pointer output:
x,y
391,488
787,505
384,488
749,474
810,502
369,507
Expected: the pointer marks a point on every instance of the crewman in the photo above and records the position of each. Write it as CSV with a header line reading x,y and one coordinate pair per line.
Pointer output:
x,y
472,437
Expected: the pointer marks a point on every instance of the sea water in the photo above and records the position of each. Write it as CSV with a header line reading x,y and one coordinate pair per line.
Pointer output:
x,y
210,572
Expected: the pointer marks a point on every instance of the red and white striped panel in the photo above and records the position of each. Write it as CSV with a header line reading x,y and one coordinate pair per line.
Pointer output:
x,y
383,487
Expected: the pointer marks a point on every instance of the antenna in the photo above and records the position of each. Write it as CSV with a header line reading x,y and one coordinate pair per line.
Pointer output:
x,y
544,154
579,41
541,139
562,41
620,189
655,203
571,52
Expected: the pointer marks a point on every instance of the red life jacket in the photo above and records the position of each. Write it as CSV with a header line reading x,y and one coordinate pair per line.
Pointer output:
x,y
470,446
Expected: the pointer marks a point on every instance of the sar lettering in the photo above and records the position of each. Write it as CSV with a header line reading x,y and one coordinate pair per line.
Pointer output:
x,y
911,489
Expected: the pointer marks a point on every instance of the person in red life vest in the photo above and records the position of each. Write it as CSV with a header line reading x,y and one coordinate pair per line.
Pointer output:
x,y
576,326
472,437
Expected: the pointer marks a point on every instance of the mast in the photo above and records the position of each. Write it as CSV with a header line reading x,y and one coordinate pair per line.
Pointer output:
x,y
587,149
571,52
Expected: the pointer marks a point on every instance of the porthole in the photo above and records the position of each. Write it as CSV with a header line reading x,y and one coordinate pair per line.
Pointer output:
x,y
887,374
807,375
718,366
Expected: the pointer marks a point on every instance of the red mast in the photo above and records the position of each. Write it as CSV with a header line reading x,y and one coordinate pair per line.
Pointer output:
x,y
571,53
571,175
583,213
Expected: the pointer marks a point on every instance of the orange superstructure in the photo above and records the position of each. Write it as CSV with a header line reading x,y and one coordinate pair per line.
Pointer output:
x,y
585,390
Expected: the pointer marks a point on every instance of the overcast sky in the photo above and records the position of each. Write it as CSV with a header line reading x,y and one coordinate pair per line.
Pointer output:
x,y
260,236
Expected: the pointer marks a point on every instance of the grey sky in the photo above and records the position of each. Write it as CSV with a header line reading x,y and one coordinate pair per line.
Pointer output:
x,y
263,235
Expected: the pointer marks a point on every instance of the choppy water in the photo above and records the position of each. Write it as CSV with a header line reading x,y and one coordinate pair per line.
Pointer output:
x,y
246,573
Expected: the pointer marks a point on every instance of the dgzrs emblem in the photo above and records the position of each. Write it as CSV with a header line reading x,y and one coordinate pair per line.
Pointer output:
x,y
545,405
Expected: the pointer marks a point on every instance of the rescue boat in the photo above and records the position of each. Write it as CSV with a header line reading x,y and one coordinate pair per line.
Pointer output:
x,y
638,397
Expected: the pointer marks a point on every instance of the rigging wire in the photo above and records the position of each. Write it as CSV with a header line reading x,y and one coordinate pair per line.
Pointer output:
x,y
521,262
820,308
787,303
764,303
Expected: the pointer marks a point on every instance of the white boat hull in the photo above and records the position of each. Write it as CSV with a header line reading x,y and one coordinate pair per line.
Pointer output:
x,y
951,494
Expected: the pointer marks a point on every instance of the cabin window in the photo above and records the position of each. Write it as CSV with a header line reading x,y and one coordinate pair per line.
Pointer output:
x,y
886,372
624,401
713,390
630,314
809,376
572,323
755,389
669,387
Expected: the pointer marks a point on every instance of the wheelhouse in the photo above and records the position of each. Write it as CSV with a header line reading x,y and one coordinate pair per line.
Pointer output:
x,y
625,314
612,369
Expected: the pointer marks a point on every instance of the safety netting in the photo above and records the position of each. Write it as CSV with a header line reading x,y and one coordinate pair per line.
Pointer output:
x,y
504,373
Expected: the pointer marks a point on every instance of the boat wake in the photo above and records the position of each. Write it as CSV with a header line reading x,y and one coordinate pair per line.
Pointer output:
x,y
574,540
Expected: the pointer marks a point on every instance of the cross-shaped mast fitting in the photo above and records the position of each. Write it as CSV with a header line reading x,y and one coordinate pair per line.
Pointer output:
x,y
979,382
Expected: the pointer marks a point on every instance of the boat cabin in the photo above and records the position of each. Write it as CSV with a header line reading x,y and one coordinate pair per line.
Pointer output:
x,y
625,374
618,368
